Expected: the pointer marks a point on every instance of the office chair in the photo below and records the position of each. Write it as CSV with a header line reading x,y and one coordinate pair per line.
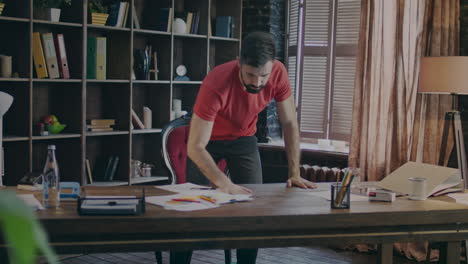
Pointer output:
x,y
174,136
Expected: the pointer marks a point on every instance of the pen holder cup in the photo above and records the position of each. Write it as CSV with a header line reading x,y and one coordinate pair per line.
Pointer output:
x,y
340,196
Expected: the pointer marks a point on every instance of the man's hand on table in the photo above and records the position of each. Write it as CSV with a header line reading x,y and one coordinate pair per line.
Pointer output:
x,y
301,183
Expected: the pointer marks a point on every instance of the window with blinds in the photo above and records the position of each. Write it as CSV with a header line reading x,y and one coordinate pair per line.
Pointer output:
x,y
323,37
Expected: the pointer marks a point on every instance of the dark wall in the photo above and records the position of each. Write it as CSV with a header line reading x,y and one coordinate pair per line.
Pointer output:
x,y
268,16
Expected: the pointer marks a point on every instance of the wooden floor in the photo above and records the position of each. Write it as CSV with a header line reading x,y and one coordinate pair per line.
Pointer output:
x,y
292,255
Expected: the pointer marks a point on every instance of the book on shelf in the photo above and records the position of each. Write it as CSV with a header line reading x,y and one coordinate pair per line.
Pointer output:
x,y
224,26
88,171
137,121
164,19
101,122
91,58
50,55
121,15
62,56
188,21
38,56
136,21
113,14
101,58
127,10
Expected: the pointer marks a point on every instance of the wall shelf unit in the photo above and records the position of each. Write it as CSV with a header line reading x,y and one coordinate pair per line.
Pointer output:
x,y
79,99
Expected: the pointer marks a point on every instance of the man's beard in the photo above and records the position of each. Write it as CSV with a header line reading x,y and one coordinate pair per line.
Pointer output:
x,y
250,88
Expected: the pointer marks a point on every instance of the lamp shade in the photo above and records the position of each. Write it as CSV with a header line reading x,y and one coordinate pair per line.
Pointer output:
x,y
444,75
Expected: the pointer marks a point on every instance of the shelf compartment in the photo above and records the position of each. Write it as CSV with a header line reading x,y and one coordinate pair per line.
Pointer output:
x,y
57,80
61,100
157,98
191,53
187,93
222,52
151,32
56,136
150,82
73,46
107,28
16,9
68,157
105,133
117,53
16,161
147,149
161,44
226,8
146,131
102,102
69,16
16,119
147,12
100,149
13,138
224,39
56,24
15,43
16,19
182,7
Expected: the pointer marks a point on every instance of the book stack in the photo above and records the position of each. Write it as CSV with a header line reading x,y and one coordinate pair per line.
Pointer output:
x,y
99,125
50,56
118,13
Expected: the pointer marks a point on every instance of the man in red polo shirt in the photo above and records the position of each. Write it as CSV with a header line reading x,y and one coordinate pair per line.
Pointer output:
x,y
224,122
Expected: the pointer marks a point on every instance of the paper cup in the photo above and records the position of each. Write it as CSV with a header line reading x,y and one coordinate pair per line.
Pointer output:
x,y
418,188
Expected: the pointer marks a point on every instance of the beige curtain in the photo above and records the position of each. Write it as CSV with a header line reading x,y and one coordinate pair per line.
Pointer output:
x,y
392,123
441,38
386,83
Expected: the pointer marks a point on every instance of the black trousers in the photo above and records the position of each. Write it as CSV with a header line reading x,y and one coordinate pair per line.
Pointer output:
x,y
243,162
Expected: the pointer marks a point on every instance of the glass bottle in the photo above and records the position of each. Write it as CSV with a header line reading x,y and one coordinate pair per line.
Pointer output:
x,y
51,183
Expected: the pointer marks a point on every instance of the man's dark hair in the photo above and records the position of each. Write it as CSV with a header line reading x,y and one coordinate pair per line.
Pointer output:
x,y
257,49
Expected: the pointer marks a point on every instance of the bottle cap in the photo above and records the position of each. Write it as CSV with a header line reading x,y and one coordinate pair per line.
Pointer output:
x,y
51,147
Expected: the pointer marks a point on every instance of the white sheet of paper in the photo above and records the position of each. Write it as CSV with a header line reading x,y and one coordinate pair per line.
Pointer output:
x,y
194,189
461,198
31,201
163,201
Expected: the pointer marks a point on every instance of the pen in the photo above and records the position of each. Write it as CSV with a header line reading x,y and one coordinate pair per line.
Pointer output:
x,y
185,200
208,199
203,188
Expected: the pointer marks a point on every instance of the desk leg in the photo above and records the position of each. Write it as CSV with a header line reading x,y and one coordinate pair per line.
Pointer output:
x,y
385,253
450,252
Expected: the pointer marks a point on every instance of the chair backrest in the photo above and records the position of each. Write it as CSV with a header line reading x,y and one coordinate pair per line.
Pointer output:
x,y
174,137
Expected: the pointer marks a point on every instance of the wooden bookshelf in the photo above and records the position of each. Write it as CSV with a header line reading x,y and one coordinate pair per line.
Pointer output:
x,y
78,99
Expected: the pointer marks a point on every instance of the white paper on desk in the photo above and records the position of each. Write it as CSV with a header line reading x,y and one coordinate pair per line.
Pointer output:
x,y
194,189
164,201
461,198
327,195
30,200
181,188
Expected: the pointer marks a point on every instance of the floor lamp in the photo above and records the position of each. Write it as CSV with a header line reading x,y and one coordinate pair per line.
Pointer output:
x,y
5,103
448,75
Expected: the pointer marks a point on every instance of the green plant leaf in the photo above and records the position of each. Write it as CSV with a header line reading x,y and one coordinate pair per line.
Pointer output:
x,y
22,231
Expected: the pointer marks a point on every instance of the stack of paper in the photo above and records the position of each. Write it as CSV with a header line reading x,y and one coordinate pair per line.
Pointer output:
x,y
193,197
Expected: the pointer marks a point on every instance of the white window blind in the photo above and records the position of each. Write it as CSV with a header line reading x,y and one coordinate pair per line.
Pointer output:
x,y
327,64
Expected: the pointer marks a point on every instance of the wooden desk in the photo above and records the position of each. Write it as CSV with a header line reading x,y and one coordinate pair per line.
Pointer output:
x,y
278,217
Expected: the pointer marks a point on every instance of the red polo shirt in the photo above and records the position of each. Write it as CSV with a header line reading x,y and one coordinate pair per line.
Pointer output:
x,y
222,98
